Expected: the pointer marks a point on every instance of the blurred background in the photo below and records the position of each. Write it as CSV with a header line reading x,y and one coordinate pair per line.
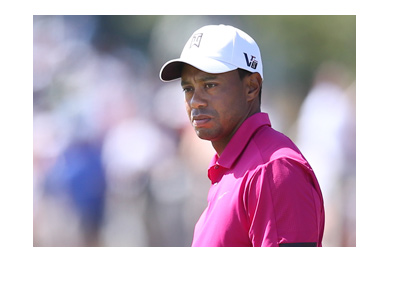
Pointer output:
x,y
115,160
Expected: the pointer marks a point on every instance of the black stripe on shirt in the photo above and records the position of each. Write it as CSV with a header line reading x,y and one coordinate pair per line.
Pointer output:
x,y
299,244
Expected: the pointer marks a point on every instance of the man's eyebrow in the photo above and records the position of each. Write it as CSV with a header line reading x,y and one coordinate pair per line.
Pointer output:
x,y
184,82
201,79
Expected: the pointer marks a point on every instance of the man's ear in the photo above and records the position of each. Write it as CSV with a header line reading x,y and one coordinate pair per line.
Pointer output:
x,y
253,85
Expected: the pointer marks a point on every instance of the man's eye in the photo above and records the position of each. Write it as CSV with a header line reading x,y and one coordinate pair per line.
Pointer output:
x,y
187,89
210,85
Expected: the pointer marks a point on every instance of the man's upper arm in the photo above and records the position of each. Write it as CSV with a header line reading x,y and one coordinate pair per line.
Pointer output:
x,y
284,205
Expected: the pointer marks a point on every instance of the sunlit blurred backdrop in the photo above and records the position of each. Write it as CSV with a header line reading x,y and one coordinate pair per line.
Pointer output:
x,y
115,160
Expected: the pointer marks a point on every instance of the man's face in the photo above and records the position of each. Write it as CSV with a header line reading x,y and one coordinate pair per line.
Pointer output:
x,y
216,103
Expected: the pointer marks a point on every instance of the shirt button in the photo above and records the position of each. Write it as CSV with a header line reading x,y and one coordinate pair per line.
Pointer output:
x,y
216,167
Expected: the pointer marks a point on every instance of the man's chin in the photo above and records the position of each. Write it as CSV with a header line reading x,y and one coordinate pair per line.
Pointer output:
x,y
205,134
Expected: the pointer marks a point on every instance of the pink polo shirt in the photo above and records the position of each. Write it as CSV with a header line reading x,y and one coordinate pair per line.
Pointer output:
x,y
263,193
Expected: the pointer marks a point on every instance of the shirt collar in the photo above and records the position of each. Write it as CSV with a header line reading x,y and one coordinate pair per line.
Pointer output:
x,y
240,139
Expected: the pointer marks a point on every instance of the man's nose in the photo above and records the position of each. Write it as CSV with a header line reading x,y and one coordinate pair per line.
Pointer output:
x,y
198,99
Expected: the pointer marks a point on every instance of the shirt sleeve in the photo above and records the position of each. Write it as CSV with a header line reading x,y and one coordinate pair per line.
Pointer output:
x,y
284,205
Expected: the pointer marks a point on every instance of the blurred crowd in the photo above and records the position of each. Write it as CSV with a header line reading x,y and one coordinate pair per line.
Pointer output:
x,y
115,160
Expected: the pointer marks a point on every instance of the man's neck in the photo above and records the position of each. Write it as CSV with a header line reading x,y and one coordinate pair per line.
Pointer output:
x,y
220,145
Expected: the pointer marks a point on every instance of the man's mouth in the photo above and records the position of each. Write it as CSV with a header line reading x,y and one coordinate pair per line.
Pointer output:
x,y
200,120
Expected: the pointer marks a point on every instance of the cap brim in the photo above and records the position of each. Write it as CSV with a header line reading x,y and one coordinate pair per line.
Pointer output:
x,y
173,69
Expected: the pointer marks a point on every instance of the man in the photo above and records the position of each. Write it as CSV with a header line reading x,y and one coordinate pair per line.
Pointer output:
x,y
263,192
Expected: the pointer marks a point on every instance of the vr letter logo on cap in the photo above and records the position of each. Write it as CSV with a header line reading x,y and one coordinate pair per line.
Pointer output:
x,y
252,63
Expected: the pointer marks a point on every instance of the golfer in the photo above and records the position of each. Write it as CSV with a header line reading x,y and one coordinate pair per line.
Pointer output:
x,y
263,191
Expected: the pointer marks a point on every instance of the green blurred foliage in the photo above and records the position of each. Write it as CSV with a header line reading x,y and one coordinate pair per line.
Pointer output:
x,y
293,47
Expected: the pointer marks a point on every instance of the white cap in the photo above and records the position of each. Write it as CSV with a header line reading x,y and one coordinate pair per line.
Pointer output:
x,y
216,49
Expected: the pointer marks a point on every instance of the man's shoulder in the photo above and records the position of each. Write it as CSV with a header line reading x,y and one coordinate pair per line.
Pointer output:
x,y
271,144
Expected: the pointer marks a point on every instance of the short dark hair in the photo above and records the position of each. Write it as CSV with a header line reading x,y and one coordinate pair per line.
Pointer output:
x,y
242,74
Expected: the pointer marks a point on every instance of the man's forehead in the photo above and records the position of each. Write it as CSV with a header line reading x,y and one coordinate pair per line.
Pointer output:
x,y
190,73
